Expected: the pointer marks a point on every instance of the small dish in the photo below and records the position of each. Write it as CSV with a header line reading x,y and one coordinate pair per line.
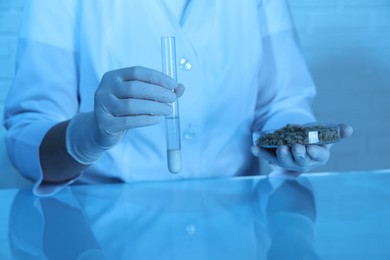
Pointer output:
x,y
297,134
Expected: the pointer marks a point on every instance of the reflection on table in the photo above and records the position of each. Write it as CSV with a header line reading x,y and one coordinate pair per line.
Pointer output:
x,y
241,218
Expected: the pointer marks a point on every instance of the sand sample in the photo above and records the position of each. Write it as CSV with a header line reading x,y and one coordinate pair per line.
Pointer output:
x,y
297,134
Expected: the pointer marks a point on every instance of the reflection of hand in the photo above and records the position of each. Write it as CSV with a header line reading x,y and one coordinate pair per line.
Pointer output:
x,y
50,229
292,197
126,98
66,233
291,213
299,158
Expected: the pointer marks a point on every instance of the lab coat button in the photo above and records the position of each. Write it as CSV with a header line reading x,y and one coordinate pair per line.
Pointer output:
x,y
184,64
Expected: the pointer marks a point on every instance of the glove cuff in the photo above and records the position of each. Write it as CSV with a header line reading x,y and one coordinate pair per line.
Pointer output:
x,y
81,140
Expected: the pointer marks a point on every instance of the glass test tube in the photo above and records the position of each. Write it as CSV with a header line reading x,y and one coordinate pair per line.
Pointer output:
x,y
168,50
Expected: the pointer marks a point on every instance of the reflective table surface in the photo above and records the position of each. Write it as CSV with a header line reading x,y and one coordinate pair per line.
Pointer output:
x,y
317,216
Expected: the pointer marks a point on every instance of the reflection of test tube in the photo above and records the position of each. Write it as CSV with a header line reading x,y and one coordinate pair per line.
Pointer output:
x,y
168,50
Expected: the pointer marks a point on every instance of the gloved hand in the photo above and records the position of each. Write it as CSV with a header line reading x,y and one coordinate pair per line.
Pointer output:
x,y
126,98
299,158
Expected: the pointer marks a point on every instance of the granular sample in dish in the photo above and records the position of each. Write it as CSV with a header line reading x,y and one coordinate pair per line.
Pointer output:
x,y
296,134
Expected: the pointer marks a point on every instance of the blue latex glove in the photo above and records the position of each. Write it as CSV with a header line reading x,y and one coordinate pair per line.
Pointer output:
x,y
299,158
126,98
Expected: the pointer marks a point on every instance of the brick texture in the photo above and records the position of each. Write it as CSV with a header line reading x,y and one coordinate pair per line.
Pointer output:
x,y
346,44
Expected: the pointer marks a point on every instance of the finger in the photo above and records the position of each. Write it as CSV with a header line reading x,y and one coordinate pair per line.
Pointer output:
x,y
142,90
318,153
285,157
179,90
255,150
147,75
299,154
119,124
131,106
345,130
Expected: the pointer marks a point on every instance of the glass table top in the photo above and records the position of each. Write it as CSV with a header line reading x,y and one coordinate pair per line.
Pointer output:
x,y
314,216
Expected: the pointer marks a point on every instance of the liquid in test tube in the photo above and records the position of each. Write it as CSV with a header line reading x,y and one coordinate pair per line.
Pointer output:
x,y
168,50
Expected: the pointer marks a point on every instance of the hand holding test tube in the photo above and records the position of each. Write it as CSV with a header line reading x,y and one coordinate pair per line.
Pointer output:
x,y
168,50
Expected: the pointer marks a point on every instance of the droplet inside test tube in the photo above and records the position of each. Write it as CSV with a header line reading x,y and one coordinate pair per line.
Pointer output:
x,y
168,50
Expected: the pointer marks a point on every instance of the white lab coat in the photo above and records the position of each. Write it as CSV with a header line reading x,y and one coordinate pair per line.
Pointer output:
x,y
242,70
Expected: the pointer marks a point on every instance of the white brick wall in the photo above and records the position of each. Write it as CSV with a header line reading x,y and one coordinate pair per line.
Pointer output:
x,y
347,46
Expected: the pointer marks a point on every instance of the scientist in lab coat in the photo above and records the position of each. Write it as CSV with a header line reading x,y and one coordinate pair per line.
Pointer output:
x,y
88,97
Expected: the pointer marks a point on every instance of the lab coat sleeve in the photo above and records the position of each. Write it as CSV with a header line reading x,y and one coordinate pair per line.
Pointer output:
x,y
274,16
44,91
286,89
